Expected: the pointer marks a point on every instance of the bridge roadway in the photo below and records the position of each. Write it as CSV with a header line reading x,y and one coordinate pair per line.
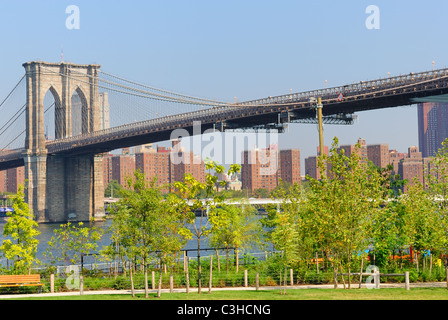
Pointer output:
x,y
266,113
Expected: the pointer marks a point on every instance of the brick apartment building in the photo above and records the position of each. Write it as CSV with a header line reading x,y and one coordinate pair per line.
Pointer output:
x,y
264,168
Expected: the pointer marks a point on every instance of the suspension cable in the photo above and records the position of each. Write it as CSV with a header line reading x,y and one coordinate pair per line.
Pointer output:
x,y
11,92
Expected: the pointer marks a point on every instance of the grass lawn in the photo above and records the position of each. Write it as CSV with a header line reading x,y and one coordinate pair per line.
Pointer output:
x,y
291,294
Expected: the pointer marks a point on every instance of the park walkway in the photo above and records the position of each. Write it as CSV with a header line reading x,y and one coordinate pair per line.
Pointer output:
x,y
192,290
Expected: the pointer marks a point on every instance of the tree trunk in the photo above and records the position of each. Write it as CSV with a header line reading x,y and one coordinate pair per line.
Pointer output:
x,y
159,290
285,280
360,272
199,266
146,280
342,276
217,260
132,278
211,275
335,276
430,266
187,275
237,260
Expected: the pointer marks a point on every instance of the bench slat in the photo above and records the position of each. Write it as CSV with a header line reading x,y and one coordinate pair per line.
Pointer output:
x,y
17,279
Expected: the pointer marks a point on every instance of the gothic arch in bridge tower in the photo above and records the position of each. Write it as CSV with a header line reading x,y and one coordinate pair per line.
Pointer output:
x,y
75,187
79,112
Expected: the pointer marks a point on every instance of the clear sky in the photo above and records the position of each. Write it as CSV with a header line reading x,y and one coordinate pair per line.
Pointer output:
x,y
249,49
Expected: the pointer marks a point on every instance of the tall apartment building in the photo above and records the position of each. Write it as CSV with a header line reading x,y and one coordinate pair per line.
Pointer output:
x,y
183,163
311,164
3,181
123,167
432,127
349,149
107,169
15,177
394,159
379,154
264,168
290,166
412,167
11,179
154,164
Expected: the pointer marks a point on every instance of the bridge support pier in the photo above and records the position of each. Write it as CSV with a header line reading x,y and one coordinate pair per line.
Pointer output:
x,y
36,181
62,189
75,190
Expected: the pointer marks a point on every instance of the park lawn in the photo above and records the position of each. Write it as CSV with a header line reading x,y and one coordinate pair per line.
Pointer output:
x,y
291,294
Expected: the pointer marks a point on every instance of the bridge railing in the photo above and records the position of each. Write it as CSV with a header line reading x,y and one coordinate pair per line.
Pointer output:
x,y
361,87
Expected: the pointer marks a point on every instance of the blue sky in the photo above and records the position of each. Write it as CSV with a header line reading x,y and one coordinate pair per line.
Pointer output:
x,y
248,49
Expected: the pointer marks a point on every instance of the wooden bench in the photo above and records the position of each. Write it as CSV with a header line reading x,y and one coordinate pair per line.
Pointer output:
x,y
32,280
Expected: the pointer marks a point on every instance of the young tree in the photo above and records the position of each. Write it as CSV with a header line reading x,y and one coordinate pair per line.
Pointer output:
x,y
70,242
344,203
20,231
147,223
437,184
236,227
189,189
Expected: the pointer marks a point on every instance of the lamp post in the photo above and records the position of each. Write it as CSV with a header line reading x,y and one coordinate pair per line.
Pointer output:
x,y
321,129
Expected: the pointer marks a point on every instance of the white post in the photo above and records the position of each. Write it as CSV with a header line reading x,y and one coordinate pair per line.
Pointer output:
x,y
52,283
406,279
377,279
153,280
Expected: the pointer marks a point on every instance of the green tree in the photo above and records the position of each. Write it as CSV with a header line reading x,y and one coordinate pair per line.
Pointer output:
x,y
149,224
20,232
189,189
344,203
113,190
70,242
425,231
437,185
235,226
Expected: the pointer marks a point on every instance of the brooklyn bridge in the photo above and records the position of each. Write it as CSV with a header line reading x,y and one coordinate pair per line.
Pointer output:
x,y
64,172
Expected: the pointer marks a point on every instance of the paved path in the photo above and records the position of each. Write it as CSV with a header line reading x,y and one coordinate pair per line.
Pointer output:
x,y
128,292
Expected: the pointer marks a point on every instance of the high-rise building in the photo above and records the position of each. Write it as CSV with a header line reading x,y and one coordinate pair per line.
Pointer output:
x,y
154,164
3,182
107,169
123,167
15,177
379,154
432,127
349,149
264,168
311,164
411,167
182,163
395,158
259,169
290,166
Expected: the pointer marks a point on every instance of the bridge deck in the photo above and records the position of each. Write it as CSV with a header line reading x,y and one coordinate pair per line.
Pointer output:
x,y
365,95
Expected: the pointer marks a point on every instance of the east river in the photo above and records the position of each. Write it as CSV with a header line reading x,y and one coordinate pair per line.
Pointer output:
x,y
47,231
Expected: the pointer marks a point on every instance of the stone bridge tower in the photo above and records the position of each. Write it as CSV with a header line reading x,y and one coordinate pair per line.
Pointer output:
x,y
62,188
